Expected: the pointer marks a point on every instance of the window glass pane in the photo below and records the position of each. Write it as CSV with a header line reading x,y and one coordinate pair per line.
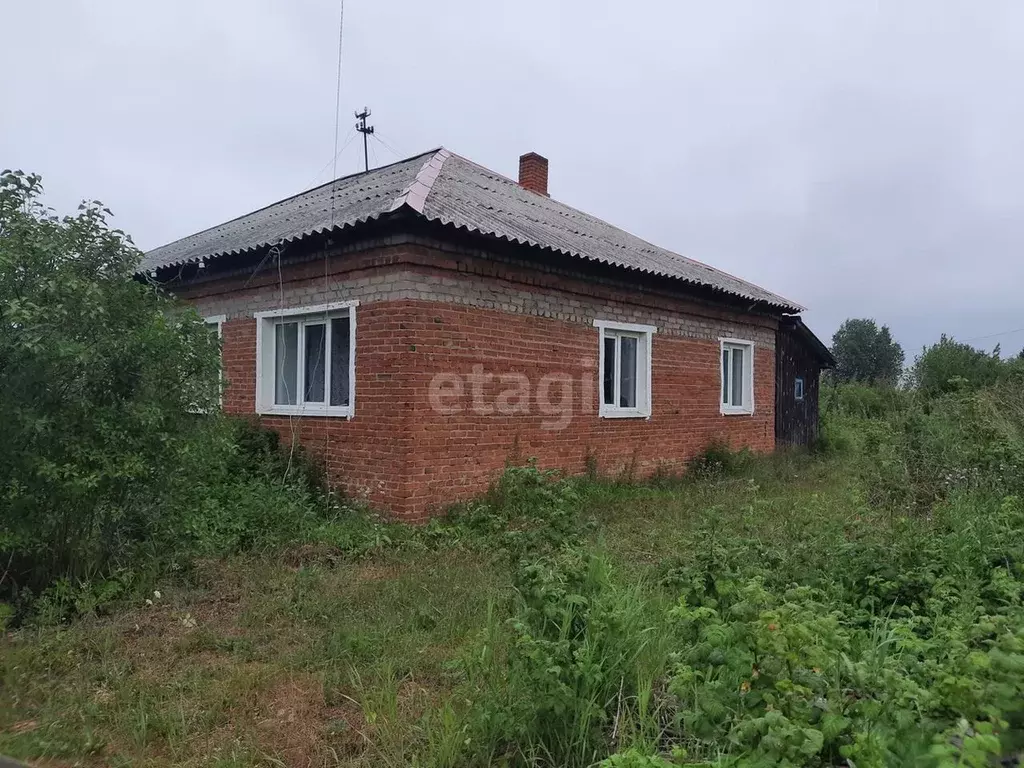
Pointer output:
x,y
737,377
627,373
286,369
609,370
799,389
315,363
341,351
725,376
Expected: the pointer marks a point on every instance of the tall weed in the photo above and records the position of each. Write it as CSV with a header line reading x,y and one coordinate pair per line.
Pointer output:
x,y
555,684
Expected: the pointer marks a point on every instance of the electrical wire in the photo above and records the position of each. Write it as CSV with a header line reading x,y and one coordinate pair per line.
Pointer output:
x,y
333,162
301,364
387,146
993,335
373,151
337,103
322,353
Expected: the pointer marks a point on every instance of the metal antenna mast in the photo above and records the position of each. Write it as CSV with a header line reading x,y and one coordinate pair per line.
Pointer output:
x,y
362,127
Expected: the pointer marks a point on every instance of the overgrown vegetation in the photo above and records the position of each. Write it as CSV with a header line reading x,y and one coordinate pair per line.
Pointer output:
x,y
951,366
113,467
179,590
845,608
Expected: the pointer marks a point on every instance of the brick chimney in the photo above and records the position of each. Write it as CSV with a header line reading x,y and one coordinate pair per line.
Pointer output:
x,y
533,173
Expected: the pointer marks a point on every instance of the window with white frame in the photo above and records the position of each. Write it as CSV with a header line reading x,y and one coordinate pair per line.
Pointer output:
x,y
215,325
625,369
305,362
798,389
737,376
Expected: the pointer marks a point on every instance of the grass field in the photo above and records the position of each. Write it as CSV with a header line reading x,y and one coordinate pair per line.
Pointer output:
x,y
302,659
313,657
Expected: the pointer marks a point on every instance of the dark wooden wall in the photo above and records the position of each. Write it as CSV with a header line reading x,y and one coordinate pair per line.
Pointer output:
x,y
796,421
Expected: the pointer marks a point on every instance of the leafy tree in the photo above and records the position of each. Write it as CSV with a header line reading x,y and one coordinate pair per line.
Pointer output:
x,y
950,365
101,376
866,353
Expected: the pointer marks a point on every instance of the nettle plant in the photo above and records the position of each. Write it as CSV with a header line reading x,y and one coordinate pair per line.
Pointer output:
x,y
754,672
802,676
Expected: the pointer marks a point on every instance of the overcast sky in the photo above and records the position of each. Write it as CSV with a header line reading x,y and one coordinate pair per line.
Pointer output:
x,y
861,158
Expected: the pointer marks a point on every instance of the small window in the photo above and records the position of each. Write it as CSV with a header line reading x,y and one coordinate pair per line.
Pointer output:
x,y
737,376
625,379
306,358
798,391
215,325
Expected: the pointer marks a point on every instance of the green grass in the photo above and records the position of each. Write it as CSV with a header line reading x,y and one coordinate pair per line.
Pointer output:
x,y
642,526
293,657
258,659
410,655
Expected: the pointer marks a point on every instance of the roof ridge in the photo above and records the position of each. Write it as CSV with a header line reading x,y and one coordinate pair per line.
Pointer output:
x,y
415,195
654,247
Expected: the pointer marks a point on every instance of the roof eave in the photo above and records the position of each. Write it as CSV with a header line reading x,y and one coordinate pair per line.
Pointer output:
x,y
405,209
817,346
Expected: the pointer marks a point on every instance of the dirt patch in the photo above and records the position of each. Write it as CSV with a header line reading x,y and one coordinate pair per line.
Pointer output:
x,y
24,726
149,634
311,553
346,730
291,721
377,571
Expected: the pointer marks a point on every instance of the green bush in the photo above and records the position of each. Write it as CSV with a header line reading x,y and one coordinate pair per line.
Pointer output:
x,y
916,450
527,512
241,491
861,400
114,460
633,758
716,460
951,366
103,377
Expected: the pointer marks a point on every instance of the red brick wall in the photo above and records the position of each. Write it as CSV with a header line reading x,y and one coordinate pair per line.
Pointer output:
x,y
424,312
366,454
455,456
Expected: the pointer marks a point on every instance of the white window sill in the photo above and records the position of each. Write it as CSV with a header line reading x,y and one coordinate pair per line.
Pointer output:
x,y
340,412
732,410
623,413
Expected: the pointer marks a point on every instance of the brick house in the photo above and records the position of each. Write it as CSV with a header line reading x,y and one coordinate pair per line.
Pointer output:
x,y
419,325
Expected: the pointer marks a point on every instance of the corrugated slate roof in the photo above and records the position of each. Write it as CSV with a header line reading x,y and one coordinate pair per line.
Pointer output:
x,y
445,187
357,198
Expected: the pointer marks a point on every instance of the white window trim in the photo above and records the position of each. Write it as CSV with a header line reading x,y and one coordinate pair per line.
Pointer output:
x,y
265,321
643,409
748,377
219,321
803,389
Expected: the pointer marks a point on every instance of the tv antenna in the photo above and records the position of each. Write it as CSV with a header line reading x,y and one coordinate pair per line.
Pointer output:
x,y
366,130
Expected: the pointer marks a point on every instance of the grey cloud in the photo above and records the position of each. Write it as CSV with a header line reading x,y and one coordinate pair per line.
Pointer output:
x,y
859,158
